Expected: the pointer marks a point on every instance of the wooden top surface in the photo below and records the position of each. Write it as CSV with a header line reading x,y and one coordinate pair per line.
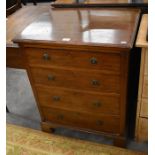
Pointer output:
x,y
16,22
101,27
142,33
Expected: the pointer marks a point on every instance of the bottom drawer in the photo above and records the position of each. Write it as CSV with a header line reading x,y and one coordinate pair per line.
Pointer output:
x,y
102,123
143,129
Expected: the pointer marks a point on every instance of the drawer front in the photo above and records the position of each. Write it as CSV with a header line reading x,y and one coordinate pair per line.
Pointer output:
x,y
144,108
143,129
93,81
145,87
79,101
83,120
89,60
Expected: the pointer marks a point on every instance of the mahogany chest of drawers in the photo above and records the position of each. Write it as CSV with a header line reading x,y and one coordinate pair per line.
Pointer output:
x,y
78,65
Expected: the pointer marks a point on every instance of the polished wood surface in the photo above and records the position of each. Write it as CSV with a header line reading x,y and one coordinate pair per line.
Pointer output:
x,y
84,27
18,21
15,24
142,106
80,101
104,123
90,81
77,55
107,63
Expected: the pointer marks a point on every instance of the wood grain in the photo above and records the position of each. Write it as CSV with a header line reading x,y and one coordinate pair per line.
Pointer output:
x,y
15,24
142,104
105,123
71,37
142,129
18,21
145,87
79,100
77,79
144,108
105,62
54,27
141,38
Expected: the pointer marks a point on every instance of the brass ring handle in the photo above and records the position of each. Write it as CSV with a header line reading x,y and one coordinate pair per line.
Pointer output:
x,y
97,104
51,77
46,56
93,60
95,82
99,122
60,117
56,98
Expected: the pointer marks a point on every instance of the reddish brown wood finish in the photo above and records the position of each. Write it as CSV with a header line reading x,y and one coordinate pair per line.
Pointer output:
x,y
93,27
67,71
15,24
76,79
80,101
74,59
106,123
14,58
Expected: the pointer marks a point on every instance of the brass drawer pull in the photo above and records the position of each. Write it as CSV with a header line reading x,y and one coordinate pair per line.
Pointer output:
x,y
60,117
95,82
46,56
93,61
97,104
56,98
99,123
51,77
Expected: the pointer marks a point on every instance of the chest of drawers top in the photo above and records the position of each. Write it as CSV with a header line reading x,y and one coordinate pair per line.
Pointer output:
x,y
83,27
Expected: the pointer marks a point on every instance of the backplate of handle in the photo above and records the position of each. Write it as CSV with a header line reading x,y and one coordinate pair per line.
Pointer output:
x,y
46,56
99,122
97,104
56,98
95,82
93,60
51,77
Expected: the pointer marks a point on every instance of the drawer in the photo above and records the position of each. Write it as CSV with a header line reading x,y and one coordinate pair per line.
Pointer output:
x,y
104,123
110,63
79,101
144,108
75,79
143,129
145,87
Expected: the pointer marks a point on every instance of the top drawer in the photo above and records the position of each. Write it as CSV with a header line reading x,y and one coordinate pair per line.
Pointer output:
x,y
109,63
